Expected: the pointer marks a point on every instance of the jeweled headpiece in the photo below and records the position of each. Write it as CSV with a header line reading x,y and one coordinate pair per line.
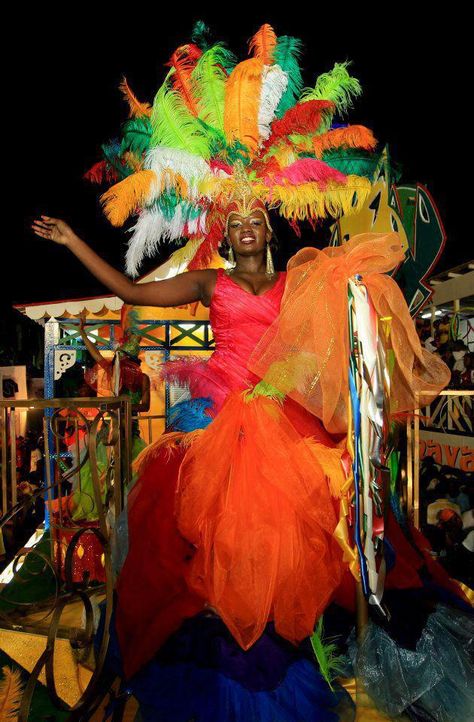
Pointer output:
x,y
180,162
243,200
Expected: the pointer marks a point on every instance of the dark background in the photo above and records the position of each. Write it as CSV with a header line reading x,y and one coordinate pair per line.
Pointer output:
x,y
68,103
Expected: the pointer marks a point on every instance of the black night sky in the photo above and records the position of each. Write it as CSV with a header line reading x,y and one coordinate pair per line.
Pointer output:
x,y
68,101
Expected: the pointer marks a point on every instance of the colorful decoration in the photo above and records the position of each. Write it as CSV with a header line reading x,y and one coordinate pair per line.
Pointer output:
x,y
409,210
369,391
426,240
178,162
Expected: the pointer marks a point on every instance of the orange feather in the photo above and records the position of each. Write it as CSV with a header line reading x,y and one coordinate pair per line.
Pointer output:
x,y
242,100
137,109
125,197
354,136
263,44
184,61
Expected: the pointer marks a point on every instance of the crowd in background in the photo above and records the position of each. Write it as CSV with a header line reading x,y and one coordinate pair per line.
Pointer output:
x,y
447,517
454,352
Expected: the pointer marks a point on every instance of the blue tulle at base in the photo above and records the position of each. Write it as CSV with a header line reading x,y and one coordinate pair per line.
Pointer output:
x,y
186,682
435,680
181,693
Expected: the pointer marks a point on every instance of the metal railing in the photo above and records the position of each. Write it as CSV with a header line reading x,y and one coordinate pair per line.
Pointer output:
x,y
85,439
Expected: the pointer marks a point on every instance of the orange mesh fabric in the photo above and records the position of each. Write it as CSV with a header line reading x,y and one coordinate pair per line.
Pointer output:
x,y
305,352
255,502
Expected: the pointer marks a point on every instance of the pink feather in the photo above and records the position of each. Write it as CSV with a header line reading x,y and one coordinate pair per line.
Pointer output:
x,y
179,371
306,170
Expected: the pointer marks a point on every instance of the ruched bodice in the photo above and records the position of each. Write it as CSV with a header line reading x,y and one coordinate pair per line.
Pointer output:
x,y
238,319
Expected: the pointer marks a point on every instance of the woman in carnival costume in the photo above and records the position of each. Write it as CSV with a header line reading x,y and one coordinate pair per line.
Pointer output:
x,y
243,519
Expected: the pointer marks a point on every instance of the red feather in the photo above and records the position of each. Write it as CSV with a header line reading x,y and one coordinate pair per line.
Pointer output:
x,y
304,118
295,228
208,247
263,168
184,61
100,173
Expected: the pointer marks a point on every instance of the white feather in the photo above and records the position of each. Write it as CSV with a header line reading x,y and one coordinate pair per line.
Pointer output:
x,y
191,167
152,228
274,82
146,231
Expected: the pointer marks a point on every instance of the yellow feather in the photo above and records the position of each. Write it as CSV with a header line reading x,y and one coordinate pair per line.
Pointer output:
x,y
242,101
306,200
284,155
183,256
10,694
122,199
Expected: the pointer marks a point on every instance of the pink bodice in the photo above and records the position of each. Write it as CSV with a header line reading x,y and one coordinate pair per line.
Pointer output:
x,y
238,319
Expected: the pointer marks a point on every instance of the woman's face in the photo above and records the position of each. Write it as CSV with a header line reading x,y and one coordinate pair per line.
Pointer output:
x,y
248,235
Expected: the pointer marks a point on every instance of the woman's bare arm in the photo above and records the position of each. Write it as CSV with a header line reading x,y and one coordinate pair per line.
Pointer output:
x,y
184,288
92,348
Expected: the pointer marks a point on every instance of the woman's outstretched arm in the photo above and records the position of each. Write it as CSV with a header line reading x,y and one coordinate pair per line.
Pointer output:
x,y
92,348
184,288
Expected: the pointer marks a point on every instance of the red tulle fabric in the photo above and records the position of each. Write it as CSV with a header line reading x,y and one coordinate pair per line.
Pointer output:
x,y
153,596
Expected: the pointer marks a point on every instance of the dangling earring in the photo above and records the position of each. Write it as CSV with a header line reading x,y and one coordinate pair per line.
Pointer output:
x,y
270,268
231,256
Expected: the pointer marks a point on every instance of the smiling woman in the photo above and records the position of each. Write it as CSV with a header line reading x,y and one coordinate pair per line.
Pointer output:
x,y
241,523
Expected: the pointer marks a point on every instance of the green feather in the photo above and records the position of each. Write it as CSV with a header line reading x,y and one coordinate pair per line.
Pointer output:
x,y
352,161
173,125
200,35
264,389
237,151
286,55
167,204
336,85
169,201
208,82
330,663
112,153
136,136
217,139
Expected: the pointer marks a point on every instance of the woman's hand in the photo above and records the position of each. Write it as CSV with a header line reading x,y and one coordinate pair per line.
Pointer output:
x,y
54,229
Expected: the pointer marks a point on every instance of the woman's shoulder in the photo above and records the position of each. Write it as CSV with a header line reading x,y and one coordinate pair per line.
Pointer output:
x,y
207,279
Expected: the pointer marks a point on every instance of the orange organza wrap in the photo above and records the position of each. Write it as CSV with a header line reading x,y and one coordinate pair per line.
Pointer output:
x,y
305,352
255,502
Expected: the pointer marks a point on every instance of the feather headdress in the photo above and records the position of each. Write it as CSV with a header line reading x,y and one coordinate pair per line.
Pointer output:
x,y
178,163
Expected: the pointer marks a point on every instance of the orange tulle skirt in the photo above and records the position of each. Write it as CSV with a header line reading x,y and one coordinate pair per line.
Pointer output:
x,y
239,518
255,503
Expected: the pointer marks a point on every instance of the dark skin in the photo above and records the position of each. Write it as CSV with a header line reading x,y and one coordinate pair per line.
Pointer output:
x,y
247,235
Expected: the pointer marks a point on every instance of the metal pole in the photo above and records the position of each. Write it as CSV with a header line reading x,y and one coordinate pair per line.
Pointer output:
x,y
51,339
416,465
13,454
4,423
